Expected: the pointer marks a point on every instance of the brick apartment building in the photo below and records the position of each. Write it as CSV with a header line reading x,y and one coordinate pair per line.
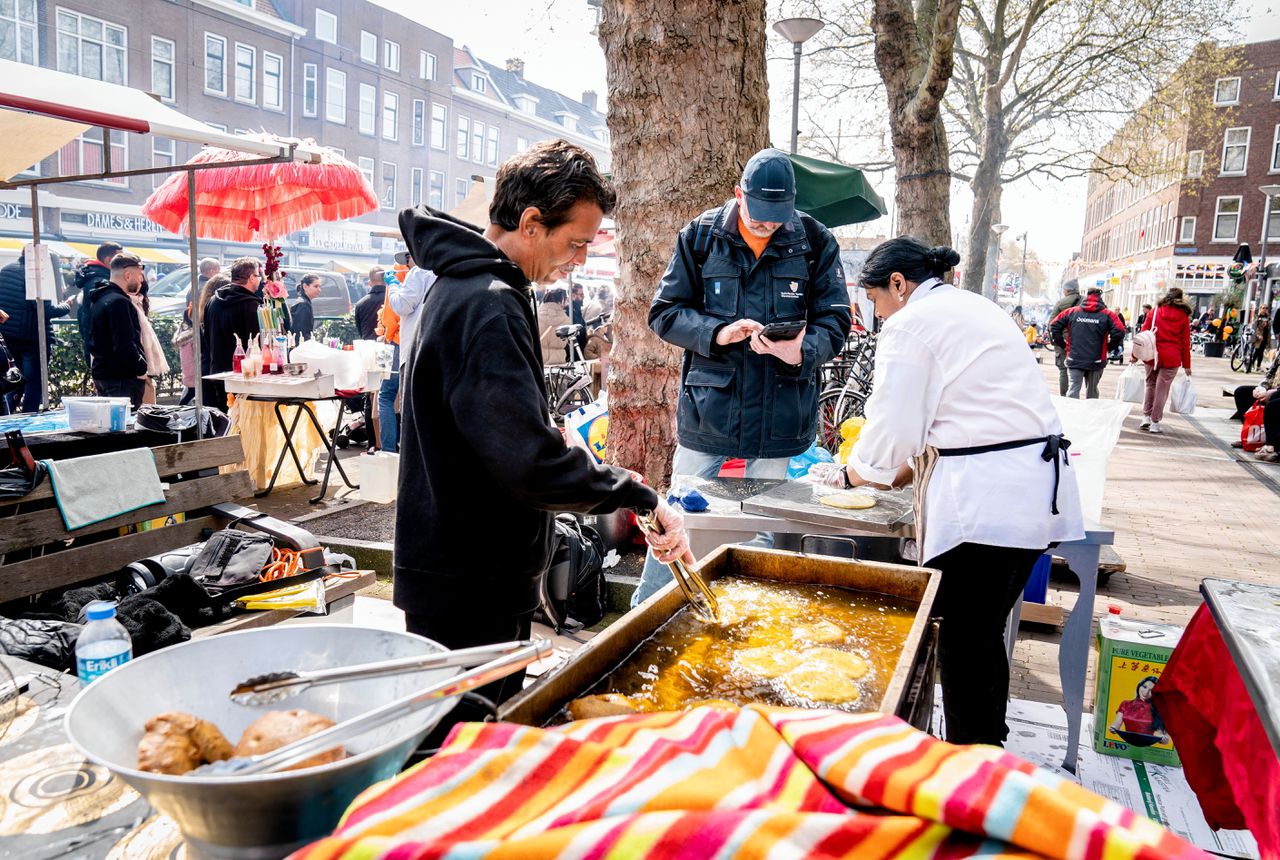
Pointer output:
x,y
416,113
1183,227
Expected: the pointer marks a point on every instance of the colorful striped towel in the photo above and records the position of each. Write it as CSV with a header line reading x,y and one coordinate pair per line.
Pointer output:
x,y
760,782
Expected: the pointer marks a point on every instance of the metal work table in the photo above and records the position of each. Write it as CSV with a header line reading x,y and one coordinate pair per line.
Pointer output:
x,y
1248,617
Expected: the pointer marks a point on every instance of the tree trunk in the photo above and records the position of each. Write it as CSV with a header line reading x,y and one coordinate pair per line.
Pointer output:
x,y
986,184
923,195
688,105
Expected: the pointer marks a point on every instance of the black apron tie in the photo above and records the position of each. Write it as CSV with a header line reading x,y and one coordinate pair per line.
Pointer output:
x,y
1055,451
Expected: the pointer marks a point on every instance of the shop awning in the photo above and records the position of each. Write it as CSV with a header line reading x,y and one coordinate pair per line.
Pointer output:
x,y
89,250
44,110
835,194
15,245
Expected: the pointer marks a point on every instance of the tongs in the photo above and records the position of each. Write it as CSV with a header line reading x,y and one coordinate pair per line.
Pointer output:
x,y
700,597
335,736
276,686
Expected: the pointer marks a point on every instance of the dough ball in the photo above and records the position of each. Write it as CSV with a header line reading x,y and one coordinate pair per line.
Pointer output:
x,y
274,729
819,633
604,705
176,743
767,662
846,663
849,500
818,683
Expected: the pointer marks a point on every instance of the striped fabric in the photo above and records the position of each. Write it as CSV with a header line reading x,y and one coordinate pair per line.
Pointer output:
x,y
759,783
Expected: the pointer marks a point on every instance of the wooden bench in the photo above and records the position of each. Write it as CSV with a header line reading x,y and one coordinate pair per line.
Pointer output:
x,y
38,554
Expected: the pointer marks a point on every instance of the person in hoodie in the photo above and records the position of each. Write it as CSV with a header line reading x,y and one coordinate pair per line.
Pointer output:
x,y
93,274
475,424
117,359
20,329
366,310
232,313
1087,333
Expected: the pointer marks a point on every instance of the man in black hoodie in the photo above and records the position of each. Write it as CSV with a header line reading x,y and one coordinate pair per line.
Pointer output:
x,y
366,310
232,313
90,276
476,431
116,358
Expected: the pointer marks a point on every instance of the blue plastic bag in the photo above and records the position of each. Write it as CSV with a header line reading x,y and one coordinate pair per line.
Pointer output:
x,y
801,463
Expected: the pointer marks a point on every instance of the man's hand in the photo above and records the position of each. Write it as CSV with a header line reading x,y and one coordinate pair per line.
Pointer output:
x,y
789,351
673,543
737,331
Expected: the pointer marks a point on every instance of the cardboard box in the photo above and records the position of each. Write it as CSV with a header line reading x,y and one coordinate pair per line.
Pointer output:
x,y
1131,658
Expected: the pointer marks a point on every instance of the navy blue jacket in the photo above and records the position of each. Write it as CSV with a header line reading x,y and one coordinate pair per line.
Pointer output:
x,y
20,329
734,402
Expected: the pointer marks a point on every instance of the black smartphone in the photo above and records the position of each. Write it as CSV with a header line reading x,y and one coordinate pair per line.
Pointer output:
x,y
782,330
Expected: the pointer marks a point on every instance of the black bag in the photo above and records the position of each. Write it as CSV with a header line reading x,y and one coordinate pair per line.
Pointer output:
x,y
572,591
11,378
231,558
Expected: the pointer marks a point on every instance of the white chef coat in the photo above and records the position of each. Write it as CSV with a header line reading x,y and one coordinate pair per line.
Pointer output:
x,y
406,300
951,372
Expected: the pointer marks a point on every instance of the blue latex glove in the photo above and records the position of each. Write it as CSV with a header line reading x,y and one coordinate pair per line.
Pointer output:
x,y
691,500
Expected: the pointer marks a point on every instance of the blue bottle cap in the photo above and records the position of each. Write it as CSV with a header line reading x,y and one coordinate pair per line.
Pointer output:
x,y
99,610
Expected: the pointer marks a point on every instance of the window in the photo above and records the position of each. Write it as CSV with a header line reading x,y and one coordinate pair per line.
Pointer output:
x,y
1235,151
18,32
366,167
161,63
1195,164
335,96
427,66
1226,220
272,81
216,126
91,47
388,185
338,151
326,27
526,103
391,116
163,154
415,186
1226,91
1276,94
477,141
459,190
478,83
310,99
491,152
464,137
439,122
368,47
391,55
368,109
1273,225
215,65
84,155
246,78
522,144
419,122
567,120
435,194
1275,151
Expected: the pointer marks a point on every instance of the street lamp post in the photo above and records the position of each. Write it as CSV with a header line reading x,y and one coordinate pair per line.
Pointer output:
x,y
797,31
1022,275
999,230
1270,191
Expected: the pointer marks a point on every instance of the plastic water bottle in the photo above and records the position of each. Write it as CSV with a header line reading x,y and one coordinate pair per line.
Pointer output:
x,y
103,644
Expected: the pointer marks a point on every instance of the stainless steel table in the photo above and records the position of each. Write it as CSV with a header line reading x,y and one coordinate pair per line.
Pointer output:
x,y
1248,617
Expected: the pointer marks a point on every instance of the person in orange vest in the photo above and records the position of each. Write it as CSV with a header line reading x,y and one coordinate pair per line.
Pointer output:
x,y
389,331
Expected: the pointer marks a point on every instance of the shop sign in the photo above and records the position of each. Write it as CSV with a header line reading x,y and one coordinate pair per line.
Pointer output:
x,y
101,224
1186,251
334,237
13,213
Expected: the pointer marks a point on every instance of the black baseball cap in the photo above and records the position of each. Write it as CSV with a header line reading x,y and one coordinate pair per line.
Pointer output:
x,y
769,184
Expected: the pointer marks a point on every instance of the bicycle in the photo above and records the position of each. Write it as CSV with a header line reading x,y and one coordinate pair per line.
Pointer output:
x,y
1198,340
1244,351
846,386
569,384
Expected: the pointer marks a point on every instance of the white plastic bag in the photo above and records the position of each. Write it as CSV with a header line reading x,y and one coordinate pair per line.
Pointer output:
x,y
588,427
1182,396
1132,386
1093,426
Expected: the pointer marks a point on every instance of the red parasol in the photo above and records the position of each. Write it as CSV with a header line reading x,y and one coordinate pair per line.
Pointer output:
x,y
262,201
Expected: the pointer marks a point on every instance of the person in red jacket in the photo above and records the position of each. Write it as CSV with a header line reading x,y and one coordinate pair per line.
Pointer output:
x,y
1172,321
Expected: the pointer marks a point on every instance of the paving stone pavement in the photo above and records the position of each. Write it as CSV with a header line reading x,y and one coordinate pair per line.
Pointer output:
x,y
1182,509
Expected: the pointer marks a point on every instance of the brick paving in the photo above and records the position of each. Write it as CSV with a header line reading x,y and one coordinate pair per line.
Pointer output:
x,y
1182,509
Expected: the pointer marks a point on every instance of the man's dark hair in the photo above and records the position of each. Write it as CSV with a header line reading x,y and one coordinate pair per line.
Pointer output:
x,y
554,296
1095,291
124,260
107,250
552,176
242,268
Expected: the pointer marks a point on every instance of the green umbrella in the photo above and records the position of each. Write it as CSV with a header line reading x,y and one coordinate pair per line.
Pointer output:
x,y
835,194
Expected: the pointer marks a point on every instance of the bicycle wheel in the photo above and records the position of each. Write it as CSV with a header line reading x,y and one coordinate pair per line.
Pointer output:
x,y
1239,358
835,408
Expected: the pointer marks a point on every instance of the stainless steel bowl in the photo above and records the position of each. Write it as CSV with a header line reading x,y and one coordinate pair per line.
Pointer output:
x,y
270,815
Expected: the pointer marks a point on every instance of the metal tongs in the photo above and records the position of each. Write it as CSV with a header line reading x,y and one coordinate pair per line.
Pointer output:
x,y
514,660
700,597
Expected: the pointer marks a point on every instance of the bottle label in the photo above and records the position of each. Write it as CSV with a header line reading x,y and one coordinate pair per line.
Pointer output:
x,y
89,669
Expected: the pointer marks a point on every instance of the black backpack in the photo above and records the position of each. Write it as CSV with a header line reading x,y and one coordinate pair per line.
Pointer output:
x,y
572,592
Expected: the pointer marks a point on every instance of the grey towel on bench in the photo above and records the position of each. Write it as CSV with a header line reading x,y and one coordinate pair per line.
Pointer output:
x,y
96,488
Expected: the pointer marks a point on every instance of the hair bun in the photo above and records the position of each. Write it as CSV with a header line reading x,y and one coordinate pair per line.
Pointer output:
x,y
942,259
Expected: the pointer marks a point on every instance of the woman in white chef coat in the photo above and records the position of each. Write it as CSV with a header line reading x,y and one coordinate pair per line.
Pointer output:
x,y
958,399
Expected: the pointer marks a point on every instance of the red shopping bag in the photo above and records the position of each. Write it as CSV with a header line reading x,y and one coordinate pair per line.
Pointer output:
x,y
1252,435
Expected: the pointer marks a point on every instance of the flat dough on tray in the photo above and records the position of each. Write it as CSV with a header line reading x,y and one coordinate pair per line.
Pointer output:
x,y
849,501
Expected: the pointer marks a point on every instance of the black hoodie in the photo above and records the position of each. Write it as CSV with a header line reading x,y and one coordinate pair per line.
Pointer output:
x,y
481,464
232,311
115,335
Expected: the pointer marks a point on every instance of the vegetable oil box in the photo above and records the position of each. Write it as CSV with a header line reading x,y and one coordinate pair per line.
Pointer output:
x,y
1131,658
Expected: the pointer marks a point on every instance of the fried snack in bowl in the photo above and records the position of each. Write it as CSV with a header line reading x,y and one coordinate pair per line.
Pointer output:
x,y
176,743
274,729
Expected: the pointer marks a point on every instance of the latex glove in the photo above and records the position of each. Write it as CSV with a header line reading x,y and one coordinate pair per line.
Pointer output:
x,y
789,351
828,475
673,543
737,331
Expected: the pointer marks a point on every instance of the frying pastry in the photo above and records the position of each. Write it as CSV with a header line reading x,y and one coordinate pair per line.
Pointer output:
x,y
819,633
846,663
604,705
718,704
176,743
849,501
274,729
767,662
816,681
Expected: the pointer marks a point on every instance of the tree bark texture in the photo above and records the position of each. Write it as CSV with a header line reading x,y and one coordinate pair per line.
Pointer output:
x,y
688,105
986,183
914,55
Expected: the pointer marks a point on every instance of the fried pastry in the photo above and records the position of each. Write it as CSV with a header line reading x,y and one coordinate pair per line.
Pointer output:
x,y
846,663
766,662
819,633
816,682
176,743
274,729
603,705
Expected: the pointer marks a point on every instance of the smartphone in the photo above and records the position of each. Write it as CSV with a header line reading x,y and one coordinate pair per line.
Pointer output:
x,y
782,330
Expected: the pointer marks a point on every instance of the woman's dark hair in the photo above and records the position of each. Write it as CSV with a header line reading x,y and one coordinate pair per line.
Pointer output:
x,y
1156,722
909,257
552,176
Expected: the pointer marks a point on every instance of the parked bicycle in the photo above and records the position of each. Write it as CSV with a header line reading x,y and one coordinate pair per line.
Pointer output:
x,y
846,384
569,384
1244,352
